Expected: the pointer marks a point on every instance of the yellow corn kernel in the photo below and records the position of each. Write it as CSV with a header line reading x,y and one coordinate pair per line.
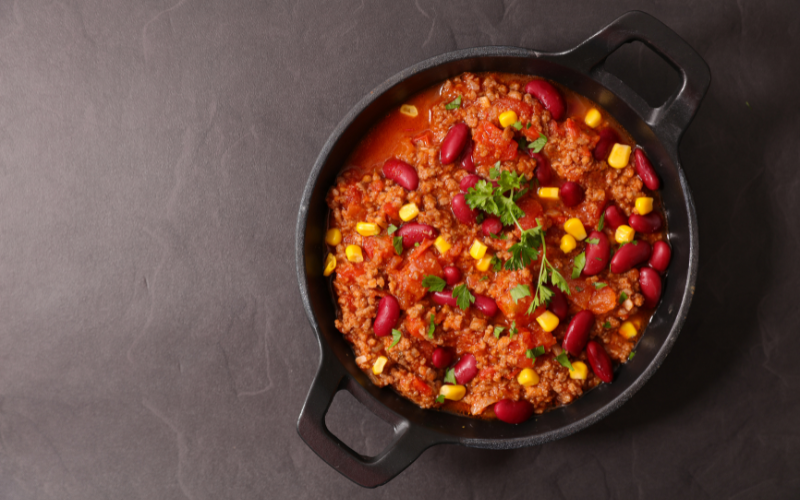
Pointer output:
x,y
575,228
453,392
627,330
330,265
548,321
353,253
548,193
484,263
377,368
409,110
368,229
333,237
624,234
409,211
620,154
528,377
507,118
579,370
644,205
593,118
568,243
442,245
477,250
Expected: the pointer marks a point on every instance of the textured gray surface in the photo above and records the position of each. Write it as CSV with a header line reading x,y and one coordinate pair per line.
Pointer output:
x,y
153,342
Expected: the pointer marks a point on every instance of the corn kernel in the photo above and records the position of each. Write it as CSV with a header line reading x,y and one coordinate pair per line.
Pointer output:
x,y
453,392
353,253
409,211
593,118
368,229
624,234
409,110
548,193
627,330
528,377
644,205
620,154
575,228
330,265
333,237
484,263
568,243
377,368
442,245
548,321
507,118
477,250
579,370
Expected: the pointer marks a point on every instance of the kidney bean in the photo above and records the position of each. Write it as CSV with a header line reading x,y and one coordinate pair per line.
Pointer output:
x,y
486,305
466,369
608,136
650,283
649,223
452,275
462,211
549,96
544,172
614,217
466,162
513,412
578,332
415,232
601,363
597,255
571,193
442,357
468,182
402,173
558,303
491,225
661,255
388,314
645,171
630,256
454,143
444,298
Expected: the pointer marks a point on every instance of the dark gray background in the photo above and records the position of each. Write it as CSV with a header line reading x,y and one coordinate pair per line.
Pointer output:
x,y
152,338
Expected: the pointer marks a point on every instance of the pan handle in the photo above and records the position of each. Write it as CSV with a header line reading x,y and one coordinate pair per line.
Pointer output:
x,y
408,443
672,117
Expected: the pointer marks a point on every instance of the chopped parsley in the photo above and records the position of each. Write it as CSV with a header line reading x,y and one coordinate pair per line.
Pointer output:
x,y
563,360
433,283
602,223
593,241
534,353
440,398
528,125
580,262
538,144
463,297
631,355
454,104
484,278
396,336
622,297
607,325
450,376
391,229
501,237
579,289
513,330
599,284
519,292
497,264
397,241
497,331
431,326
517,125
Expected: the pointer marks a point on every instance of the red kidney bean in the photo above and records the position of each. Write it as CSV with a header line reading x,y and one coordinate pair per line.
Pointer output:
x,y
647,224
645,171
442,357
486,305
466,369
402,173
614,217
558,303
578,332
513,412
608,136
571,193
661,255
630,256
544,172
452,275
549,96
597,255
415,232
454,143
491,225
444,298
468,182
650,283
601,363
466,162
388,314
462,211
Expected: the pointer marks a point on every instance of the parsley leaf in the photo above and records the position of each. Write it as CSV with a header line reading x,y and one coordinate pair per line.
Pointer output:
x,y
433,283
454,104
484,278
558,280
496,263
497,331
578,288
602,223
607,325
519,292
463,297
622,297
538,144
481,196
397,241
599,284
631,355
494,171
440,398
396,336
431,326
528,125
391,229
580,261
501,237
534,353
450,376
517,125
513,330
563,360
593,241
524,252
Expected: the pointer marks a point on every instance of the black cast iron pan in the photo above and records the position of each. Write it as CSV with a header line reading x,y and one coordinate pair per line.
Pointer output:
x,y
658,130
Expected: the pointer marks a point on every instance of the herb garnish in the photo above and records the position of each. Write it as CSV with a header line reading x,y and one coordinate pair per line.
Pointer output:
x,y
431,326
454,104
602,223
622,297
631,355
502,237
433,283
538,144
496,263
391,229
607,325
440,398
563,360
519,292
497,331
580,262
534,353
397,241
593,241
463,297
513,331
450,376
396,336
599,284
517,125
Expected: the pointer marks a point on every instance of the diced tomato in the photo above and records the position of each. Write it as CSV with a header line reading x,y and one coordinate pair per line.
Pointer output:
x,y
391,210
421,386
521,108
581,294
425,138
408,280
603,300
416,327
486,373
533,210
378,248
347,272
353,207
492,145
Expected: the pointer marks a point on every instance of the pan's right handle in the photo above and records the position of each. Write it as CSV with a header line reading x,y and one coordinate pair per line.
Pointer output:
x,y
672,117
